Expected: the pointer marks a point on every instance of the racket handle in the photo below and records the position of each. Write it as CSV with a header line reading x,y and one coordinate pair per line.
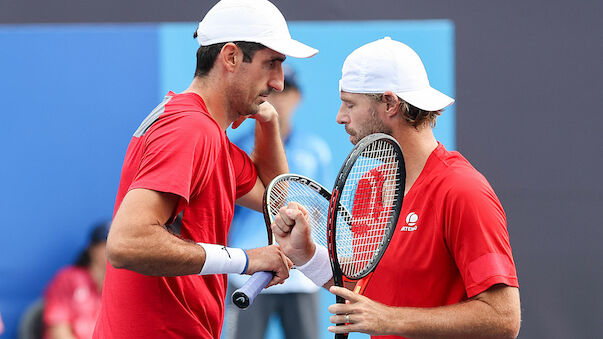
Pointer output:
x,y
244,296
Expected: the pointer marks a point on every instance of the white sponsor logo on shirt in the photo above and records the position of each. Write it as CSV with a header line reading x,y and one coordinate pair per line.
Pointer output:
x,y
411,222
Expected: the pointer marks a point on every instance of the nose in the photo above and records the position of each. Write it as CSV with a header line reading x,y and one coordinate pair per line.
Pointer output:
x,y
341,117
277,81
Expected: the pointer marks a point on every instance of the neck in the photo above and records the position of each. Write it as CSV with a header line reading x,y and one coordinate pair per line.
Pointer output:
x,y
416,146
214,98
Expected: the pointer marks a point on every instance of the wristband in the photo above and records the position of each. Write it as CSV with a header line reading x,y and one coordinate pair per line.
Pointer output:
x,y
221,260
246,262
318,269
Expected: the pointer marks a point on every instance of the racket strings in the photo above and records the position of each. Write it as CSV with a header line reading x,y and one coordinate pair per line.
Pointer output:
x,y
285,191
370,192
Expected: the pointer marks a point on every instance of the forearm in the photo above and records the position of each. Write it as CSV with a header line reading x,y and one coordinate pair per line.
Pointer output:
x,y
475,318
156,252
269,154
139,241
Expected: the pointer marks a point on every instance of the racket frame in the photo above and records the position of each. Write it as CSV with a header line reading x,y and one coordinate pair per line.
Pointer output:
x,y
244,296
334,203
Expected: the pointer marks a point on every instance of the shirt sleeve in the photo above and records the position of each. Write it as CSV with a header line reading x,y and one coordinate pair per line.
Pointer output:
x,y
245,171
476,233
180,153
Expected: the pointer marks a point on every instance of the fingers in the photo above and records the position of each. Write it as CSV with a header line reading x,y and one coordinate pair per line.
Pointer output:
x,y
345,293
359,314
284,220
340,308
239,121
266,112
287,217
281,276
272,259
347,320
342,329
344,314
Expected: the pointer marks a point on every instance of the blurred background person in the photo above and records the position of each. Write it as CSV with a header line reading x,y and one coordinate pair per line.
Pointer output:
x,y
296,301
73,297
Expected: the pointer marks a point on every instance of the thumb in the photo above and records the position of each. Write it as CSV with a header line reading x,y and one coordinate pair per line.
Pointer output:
x,y
238,122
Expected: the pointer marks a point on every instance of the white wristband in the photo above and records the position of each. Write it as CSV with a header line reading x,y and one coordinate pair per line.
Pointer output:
x,y
318,269
221,259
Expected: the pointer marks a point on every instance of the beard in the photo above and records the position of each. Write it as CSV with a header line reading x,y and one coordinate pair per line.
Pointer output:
x,y
371,125
240,102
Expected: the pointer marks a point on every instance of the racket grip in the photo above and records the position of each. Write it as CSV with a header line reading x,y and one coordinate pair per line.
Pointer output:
x,y
244,296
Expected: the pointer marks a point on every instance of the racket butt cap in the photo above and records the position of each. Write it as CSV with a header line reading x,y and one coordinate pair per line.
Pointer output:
x,y
240,299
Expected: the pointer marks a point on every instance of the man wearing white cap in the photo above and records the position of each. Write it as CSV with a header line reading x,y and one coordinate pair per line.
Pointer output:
x,y
448,271
167,259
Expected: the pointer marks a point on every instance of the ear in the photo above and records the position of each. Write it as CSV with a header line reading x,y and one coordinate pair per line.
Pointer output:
x,y
230,56
391,102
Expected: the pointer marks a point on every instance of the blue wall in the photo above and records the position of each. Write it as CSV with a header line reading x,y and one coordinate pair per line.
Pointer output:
x,y
73,95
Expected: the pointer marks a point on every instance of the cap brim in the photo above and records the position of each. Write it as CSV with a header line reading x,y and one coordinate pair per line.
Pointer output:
x,y
428,99
290,47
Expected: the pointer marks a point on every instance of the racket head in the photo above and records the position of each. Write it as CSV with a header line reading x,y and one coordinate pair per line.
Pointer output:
x,y
370,184
314,197
280,191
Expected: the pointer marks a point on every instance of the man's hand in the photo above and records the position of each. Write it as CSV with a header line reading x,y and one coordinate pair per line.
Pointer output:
x,y
494,313
363,314
270,258
293,233
266,113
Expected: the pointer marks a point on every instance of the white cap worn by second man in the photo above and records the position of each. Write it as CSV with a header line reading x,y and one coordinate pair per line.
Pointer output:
x,y
252,21
389,65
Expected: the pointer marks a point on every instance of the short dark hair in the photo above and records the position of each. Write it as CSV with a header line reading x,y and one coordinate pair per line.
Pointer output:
x,y
206,55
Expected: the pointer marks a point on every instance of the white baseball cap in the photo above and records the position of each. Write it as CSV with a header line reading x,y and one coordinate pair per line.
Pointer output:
x,y
252,21
389,65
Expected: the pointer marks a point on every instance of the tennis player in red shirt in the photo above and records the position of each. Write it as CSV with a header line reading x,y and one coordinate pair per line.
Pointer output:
x,y
167,260
448,271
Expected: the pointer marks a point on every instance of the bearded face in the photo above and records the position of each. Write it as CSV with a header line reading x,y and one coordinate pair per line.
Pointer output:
x,y
369,125
253,82
359,114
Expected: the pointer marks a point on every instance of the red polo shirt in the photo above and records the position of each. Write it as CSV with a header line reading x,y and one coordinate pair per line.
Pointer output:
x,y
451,241
179,148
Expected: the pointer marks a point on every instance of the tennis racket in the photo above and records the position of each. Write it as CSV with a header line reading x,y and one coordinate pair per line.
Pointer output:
x,y
283,189
370,184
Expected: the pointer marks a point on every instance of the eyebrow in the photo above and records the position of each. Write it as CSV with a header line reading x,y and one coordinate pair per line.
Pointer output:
x,y
345,99
278,58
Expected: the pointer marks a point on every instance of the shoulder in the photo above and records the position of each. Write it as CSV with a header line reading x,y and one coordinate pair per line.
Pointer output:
x,y
458,178
187,120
